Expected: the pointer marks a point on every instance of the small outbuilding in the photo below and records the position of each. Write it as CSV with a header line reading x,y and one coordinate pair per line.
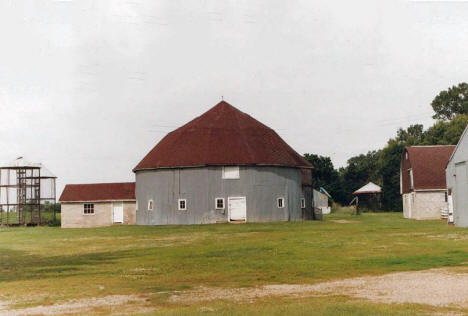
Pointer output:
x,y
98,204
368,197
223,166
422,181
457,182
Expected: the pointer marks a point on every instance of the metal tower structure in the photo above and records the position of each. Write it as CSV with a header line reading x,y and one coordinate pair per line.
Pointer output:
x,y
26,191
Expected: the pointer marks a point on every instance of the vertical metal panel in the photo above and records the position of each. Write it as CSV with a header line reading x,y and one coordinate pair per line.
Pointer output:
x,y
457,182
201,186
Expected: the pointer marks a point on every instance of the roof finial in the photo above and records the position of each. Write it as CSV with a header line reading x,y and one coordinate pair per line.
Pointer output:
x,y
222,98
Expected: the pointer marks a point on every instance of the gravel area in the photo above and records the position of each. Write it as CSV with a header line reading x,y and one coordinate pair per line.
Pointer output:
x,y
73,307
436,287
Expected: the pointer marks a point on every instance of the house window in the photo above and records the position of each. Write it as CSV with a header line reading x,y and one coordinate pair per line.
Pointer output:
x,y
303,204
219,203
410,172
406,155
182,204
150,205
231,172
446,196
88,209
280,202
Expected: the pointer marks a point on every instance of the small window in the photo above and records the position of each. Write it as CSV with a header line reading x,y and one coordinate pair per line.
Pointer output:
x,y
406,155
303,204
446,196
150,205
281,202
219,203
182,204
88,209
231,172
410,172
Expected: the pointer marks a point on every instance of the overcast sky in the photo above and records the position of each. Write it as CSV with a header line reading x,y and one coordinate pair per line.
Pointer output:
x,y
89,87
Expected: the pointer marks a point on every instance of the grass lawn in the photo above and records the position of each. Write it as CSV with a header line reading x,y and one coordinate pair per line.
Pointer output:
x,y
46,265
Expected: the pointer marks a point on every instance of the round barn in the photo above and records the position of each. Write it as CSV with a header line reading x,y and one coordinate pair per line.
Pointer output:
x,y
223,166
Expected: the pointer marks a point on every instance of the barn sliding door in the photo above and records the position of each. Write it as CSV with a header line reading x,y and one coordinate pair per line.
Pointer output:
x,y
237,208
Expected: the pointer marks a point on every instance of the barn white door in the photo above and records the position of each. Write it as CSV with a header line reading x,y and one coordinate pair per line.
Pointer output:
x,y
409,201
237,208
117,212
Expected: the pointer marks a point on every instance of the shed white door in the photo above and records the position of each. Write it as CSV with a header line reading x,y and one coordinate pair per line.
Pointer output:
x,y
117,212
237,208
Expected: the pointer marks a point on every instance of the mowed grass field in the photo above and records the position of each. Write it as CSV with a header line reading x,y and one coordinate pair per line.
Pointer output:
x,y
50,265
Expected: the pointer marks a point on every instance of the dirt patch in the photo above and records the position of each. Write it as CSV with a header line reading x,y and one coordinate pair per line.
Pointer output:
x,y
436,287
343,221
75,306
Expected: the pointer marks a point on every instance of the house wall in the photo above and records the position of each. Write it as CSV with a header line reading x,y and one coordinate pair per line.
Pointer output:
x,y
457,182
321,202
424,204
200,186
72,215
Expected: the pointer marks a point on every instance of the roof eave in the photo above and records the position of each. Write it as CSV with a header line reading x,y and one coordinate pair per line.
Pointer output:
x,y
221,165
97,201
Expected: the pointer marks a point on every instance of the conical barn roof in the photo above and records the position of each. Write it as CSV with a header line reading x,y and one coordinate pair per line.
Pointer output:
x,y
222,136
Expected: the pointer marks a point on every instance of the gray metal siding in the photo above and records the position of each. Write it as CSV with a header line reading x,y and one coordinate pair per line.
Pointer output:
x,y
457,181
201,186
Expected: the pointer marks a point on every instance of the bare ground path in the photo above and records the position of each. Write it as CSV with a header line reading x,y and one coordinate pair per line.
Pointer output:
x,y
446,287
436,287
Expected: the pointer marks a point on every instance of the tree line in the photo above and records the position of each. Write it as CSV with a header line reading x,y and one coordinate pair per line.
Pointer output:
x,y
383,166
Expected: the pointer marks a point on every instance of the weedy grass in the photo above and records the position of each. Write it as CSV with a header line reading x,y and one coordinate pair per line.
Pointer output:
x,y
46,265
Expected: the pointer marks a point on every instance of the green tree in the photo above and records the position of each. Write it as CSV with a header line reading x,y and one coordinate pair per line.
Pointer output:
x,y
451,102
446,132
389,172
325,175
413,135
455,129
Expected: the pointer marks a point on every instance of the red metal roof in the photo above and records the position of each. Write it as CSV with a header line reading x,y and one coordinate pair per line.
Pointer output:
x,y
428,164
98,192
222,136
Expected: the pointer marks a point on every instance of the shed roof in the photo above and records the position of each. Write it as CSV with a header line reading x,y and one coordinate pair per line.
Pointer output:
x,y
428,164
122,191
222,136
369,188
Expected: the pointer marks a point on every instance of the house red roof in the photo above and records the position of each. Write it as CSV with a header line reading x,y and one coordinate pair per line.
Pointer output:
x,y
222,136
428,164
98,192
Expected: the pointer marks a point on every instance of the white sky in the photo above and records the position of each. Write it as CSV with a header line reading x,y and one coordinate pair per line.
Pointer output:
x,y
89,87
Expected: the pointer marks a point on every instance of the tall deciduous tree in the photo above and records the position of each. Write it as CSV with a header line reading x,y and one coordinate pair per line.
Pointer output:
x,y
451,102
325,175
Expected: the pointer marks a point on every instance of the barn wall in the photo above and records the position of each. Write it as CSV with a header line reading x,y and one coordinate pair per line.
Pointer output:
x,y
200,186
405,183
72,215
424,204
457,182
